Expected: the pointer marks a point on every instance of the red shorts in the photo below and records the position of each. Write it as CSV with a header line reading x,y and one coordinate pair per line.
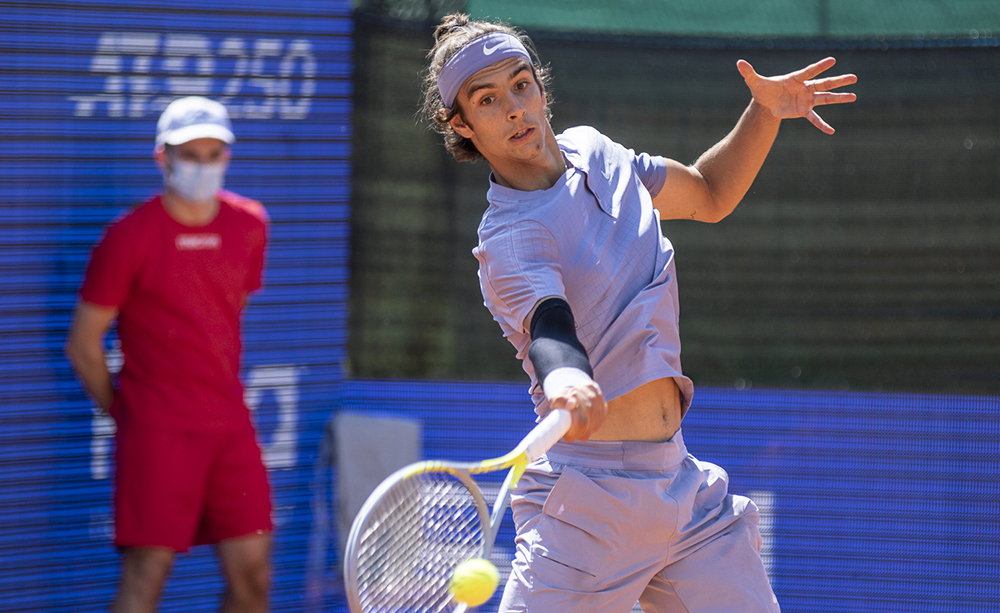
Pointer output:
x,y
177,489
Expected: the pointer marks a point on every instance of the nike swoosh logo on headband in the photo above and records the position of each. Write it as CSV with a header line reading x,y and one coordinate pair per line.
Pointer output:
x,y
487,50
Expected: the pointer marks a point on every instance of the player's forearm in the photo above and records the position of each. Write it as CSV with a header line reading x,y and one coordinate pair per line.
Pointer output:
x,y
92,371
730,167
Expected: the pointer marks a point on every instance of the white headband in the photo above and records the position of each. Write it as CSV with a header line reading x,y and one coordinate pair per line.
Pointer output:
x,y
473,57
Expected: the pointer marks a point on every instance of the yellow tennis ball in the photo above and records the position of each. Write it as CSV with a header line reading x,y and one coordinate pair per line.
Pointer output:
x,y
474,581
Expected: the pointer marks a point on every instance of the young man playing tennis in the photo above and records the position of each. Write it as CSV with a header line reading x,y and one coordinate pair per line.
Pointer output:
x,y
175,272
576,272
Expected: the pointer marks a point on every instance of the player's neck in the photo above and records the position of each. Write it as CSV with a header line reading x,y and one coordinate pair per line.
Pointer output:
x,y
539,173
187,212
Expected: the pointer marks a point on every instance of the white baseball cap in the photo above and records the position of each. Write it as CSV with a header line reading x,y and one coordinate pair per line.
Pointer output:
x,y
193,117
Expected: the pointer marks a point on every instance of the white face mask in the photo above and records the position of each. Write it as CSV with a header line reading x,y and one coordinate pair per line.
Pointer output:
x,y
193,181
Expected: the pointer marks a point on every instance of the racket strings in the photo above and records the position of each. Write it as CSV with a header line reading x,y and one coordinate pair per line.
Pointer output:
x,y
419,532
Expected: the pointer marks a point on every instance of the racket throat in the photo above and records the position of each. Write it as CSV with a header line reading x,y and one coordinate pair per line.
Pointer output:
x,y
500,504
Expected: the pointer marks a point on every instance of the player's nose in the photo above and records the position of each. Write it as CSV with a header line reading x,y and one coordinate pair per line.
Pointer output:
x,y
515,110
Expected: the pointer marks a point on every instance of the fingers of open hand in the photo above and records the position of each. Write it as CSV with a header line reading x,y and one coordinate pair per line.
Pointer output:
x,y
832,98
822,96
817,121
812,70
825,85
747,71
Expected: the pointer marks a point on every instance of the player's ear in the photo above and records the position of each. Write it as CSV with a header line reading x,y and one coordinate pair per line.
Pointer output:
x,y
458,124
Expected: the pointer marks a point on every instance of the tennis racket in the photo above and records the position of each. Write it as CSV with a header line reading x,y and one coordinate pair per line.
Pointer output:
x,y
424,520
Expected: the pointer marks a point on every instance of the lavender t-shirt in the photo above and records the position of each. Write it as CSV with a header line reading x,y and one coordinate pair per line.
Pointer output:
x,y
594,240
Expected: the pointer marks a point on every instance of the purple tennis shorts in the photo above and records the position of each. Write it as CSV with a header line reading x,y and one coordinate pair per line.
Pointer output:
x,y
602,525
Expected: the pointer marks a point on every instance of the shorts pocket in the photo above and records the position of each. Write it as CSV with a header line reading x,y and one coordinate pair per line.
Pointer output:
x,y
578,531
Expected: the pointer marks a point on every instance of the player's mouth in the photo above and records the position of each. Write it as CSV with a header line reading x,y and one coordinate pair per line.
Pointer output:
x,y
521,135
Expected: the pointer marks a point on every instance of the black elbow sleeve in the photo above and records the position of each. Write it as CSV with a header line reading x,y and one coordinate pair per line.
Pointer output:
x,y
554,343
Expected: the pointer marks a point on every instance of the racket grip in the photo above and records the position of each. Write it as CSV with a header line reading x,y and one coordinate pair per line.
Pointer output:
x,y
547,433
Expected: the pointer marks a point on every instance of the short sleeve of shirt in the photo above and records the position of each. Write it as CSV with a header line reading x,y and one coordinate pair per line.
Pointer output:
x,y
253,220
652,171
111,269
518,268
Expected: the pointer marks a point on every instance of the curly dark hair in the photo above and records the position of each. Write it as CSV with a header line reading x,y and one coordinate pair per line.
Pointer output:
x,y
453,33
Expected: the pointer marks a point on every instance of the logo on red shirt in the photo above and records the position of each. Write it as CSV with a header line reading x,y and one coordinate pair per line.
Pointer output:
x,y
190,242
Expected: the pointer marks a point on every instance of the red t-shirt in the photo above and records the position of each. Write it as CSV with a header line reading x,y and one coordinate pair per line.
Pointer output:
x,y
179,291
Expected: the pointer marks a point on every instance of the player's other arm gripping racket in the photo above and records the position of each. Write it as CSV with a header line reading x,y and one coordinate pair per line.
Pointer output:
x,y
424,520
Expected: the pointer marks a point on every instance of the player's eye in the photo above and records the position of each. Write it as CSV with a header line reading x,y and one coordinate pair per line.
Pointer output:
x,y
486,100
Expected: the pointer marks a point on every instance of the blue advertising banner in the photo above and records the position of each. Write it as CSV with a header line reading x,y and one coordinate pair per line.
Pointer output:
x,y
84,83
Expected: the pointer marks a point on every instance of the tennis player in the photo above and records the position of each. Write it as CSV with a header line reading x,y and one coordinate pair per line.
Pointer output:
x,y
574,268
175,272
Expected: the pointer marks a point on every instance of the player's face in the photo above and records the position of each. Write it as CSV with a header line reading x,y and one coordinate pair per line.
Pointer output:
x,y
503,112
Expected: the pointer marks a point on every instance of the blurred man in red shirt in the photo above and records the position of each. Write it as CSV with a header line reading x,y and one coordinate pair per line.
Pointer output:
x,y
175,272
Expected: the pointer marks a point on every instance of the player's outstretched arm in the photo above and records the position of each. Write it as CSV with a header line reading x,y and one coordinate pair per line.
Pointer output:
x,y
710,189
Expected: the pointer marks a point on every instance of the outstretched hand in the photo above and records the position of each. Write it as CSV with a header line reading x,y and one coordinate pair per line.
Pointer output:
x,y
797,93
